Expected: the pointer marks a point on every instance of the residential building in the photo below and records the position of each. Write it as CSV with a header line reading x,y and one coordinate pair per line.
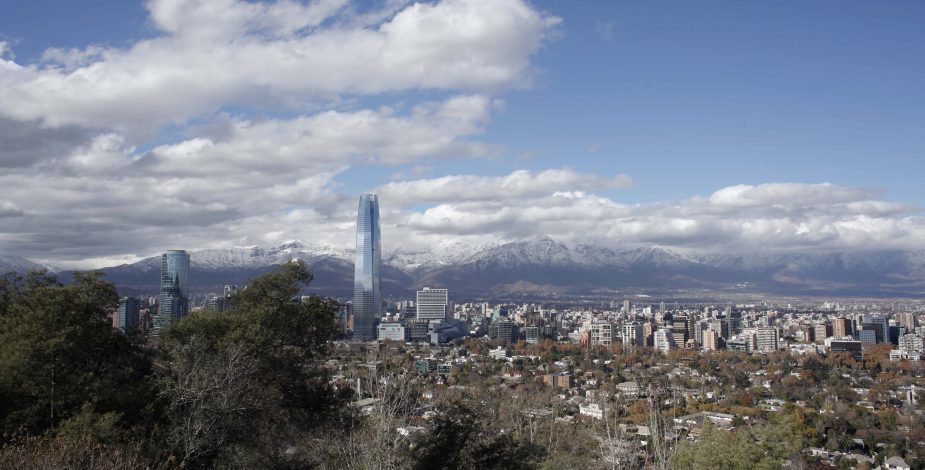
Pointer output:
x,y
842,327
823,331
710,340
679,330
633,335
599,333
593,410
766,339
912,342
907,319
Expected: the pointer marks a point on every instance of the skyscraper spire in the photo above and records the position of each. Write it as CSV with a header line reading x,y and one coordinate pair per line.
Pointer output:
x,y
367,301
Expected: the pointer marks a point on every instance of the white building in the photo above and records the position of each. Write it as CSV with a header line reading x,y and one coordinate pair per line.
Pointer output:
x,y
499,353
633,335
394,331
664,340
599,333
432,304
913,343
593,410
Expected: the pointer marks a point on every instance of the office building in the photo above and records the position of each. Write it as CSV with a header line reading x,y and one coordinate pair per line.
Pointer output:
x,y
868,336
432,304
502,330
393,331
367,300
129,308
532,334
175,294
853,347
880,324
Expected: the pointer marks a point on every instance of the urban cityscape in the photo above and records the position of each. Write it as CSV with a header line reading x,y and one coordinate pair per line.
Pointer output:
x,y
439,342
462,234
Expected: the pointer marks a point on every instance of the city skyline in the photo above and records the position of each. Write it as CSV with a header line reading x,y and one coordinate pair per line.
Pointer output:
x,y
462,234
758,131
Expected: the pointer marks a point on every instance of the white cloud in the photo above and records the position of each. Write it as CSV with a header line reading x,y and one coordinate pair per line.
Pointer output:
x,y
217,53
77,191
517,185
239,185
770,217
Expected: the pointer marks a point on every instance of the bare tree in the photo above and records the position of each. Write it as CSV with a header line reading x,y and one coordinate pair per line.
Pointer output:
x,y
380,435
212,395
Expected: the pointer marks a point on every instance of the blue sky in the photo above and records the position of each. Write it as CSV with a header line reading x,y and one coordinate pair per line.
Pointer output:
x,y
684,98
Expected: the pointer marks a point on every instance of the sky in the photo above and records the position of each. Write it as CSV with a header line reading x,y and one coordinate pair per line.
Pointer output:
x,y
128,128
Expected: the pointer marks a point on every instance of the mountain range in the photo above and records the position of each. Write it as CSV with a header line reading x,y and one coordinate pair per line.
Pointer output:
x,y
547,268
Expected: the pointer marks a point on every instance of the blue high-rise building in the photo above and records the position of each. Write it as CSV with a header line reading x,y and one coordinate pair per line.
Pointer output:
x,y
174,299
880,324
129,308
367,301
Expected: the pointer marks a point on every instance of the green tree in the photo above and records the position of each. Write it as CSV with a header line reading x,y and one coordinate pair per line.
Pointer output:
x,y
60,356
243,386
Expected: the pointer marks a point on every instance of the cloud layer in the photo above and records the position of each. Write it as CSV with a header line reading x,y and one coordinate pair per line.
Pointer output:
x,y
232,124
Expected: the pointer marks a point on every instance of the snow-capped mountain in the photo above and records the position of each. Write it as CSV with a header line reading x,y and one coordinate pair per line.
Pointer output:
x,y
19,264
545,265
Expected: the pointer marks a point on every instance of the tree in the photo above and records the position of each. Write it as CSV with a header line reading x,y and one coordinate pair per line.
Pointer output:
x,y
242,384
458,439
60,356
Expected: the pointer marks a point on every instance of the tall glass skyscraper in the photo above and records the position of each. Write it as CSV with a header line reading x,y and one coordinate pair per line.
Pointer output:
x,y
367,302
174,300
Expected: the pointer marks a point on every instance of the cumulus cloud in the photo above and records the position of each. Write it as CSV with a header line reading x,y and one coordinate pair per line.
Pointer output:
x,y
104,198
218,53
79,126
268,103
517,185
775,216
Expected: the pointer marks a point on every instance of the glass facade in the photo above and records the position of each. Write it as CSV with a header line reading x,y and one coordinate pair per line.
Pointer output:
x,y
367,302
128,313
174,300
